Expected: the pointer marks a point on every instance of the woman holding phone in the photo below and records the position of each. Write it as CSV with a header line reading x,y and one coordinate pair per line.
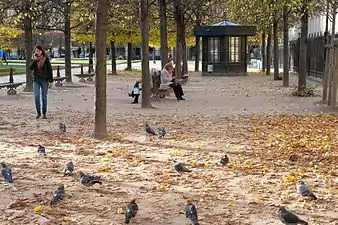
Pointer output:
x,y
42,75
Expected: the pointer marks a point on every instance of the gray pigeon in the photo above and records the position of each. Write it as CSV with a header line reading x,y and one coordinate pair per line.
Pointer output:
x,y
304,190
150,130
41,150
287,217
224,160
179,167
191,213
293,157
62,127
131,211
6,173
69,167
161,133
88,180
58,195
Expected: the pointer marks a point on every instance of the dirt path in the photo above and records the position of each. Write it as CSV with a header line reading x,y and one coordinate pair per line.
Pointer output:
x,y
215,120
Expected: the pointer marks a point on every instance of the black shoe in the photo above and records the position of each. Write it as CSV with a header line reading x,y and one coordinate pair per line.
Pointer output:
x,y
134,103
44,117
38,116
181,98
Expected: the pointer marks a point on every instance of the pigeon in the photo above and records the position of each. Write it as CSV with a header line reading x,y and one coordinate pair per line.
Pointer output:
x,y
161,133
69,167
288,217
58,195
150,130
191,213
131,211
62,127
304,190
6,173
180,168
293,157
88,180
41,150
224,160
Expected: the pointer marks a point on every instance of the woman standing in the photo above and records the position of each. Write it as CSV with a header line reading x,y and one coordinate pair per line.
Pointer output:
x,y
43,73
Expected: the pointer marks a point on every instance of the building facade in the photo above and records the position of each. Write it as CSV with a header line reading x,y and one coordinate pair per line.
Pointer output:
x,y
317,25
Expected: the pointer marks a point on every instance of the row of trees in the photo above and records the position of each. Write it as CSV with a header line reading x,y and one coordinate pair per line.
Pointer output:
x,y
164,23
76,19
273,19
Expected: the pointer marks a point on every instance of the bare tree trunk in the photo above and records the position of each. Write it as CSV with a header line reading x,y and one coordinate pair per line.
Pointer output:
x,y
100,130
263,54
285,47
275,47
154,55
184,47
68,63
268,52
28,49
129,57
146,81
326,55
90,58
303,50
178,52
197,53
331,55
113,58
163,31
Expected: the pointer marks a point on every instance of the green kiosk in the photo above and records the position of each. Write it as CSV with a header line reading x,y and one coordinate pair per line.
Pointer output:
x,y
224,48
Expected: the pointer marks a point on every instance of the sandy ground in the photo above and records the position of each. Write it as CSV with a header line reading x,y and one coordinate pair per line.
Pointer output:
x,y
216,119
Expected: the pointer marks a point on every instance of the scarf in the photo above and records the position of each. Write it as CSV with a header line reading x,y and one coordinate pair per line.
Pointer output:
x,y
41,61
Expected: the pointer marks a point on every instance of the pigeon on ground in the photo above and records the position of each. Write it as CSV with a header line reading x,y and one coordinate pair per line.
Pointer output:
x,y
6,173
288,217
41,150
191,213
179,167
293,157
150,130
88,180
62,127
58,195
224,160
161,133
69,167
131,211
304,190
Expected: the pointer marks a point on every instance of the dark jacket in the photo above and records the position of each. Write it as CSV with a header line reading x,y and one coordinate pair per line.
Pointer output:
x,y
45,73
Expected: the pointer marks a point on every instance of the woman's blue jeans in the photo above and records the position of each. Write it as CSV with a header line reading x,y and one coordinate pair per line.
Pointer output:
x,y
43,86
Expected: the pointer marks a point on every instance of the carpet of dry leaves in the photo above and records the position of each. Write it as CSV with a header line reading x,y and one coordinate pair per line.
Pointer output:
x,y
252,119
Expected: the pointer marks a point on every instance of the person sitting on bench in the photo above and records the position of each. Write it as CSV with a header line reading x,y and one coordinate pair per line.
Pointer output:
x,y
166,78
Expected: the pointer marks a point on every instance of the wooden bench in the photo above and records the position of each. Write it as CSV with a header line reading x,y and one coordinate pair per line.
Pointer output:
x,y
82,76
159,91
11,86
58,79
185,78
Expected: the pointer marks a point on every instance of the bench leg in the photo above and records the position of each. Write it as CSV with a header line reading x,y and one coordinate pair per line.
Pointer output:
x,y
11,91
58,84
90,79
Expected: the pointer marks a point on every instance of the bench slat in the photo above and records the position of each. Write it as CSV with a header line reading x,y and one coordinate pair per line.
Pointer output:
x,y
16,84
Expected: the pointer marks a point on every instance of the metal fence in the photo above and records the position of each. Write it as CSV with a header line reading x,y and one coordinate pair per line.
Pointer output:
x,y
315,56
